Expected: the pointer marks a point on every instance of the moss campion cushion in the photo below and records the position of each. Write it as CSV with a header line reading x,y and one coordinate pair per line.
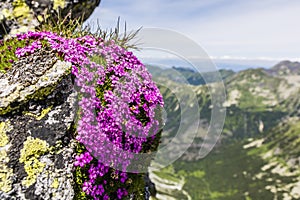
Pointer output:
x,y
75,114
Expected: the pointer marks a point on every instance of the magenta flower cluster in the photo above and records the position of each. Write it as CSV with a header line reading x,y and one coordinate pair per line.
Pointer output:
x,y
83,159
118,103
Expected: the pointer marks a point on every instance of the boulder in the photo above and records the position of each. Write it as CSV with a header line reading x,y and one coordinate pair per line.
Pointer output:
x,y
36,145
22,15
39,116
47,124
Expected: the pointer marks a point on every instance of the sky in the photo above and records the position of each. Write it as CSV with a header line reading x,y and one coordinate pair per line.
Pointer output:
x,y
260,30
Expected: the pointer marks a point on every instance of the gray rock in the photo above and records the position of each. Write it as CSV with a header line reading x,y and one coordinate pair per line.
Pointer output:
x,y
23,15
36,145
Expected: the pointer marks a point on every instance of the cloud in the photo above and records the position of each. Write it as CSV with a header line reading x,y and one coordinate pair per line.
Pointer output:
x,y
267,32
276,59
268,28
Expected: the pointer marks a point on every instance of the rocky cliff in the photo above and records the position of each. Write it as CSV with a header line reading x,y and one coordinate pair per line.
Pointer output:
x,y
75,116
37,112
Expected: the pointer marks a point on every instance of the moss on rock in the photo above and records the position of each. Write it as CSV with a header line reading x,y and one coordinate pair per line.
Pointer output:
x,y
36,80
58,4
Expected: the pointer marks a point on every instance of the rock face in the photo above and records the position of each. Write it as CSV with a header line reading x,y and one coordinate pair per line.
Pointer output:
x,y
36,146
38,106
285,68
23,15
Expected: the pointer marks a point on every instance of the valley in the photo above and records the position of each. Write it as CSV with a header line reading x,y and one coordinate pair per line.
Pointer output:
x,y
258,153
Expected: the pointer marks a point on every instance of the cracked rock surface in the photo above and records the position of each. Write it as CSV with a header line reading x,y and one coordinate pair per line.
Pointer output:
x,y
37,105
23,15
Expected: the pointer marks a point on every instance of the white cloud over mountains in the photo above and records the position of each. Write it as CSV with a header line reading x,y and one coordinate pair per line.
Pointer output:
x,y
237,28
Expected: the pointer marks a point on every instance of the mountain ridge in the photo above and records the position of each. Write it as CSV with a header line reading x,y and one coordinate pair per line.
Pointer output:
x,y
257,154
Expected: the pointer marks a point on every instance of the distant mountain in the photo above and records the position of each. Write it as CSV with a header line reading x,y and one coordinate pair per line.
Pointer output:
x,y
235,67
187,75
258,154
285,68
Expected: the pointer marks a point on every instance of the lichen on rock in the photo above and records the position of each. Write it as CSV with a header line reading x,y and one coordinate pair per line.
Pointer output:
x,y
33,77
49,95
35,121
33,149
4,127
5,173
18,16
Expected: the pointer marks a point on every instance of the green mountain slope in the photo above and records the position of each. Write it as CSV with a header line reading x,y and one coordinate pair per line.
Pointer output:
x,y
186,75
265,168
258,155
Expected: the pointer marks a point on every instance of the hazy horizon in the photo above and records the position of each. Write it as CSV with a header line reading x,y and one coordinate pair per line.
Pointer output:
x,y
229,64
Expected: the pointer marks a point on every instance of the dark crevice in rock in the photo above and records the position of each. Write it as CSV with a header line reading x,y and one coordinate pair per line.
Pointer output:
x,y
17,137
149,187
29,194
59,161
54,128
